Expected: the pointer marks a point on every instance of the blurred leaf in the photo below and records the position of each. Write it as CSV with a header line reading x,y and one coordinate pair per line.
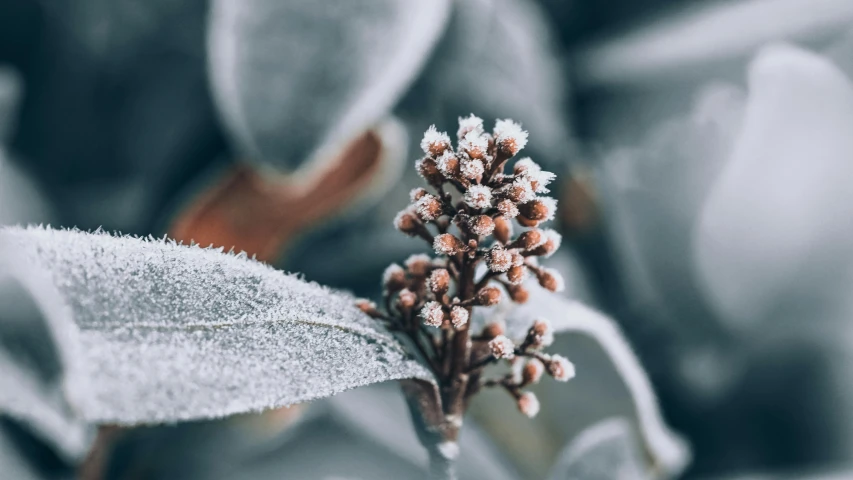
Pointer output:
x,y
771,241
295,80
607,450
168,332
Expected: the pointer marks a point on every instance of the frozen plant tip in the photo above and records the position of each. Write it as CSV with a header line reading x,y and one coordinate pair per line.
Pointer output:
x,y
467,216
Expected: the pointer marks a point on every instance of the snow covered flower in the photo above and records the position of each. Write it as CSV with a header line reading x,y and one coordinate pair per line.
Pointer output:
x,y
406,222
478,196
542,209
434,142
447,244
499,259
528,404
472,168
471,123
550,279
433,314
532,371
428,208
508,208
502,347
439,281
481,225
560,368
458,316
394,277
418,264
510,136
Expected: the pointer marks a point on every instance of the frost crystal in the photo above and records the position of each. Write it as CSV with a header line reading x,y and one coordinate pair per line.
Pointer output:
x,y
531,170
170,332
435,142
471,123
502,347
432,314
478,196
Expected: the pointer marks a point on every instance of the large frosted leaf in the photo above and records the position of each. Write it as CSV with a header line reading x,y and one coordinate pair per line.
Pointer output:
x,y
169,332
292,77
773,239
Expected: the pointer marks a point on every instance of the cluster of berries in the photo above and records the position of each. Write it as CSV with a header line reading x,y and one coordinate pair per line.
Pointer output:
x,y
469,220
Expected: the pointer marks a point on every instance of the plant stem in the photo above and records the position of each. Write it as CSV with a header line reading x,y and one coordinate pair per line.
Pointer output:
x,y
441,467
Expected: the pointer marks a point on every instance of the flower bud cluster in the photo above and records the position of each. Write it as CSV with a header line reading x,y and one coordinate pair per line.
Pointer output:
x,y
476,212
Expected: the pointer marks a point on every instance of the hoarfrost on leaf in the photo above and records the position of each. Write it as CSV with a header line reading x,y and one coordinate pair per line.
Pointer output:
x,y
167,332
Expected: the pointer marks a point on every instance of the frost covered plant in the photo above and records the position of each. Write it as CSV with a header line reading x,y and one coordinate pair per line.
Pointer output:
x,y
469,219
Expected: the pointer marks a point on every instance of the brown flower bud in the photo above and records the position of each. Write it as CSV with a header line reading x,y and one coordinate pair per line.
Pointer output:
x,y
458,316
433,314
394,278
532,372
481,225
540,334
419,264
434,142
416,193
492,330
448,164
503,229
550,279
502,347
406,222
428,169
529,239
526,222
447,244
508,208
551,244
560,368
499,259
518,294
428,208
509,137
519,191
439,281
407,299
517,259
516,275
488,296
542,209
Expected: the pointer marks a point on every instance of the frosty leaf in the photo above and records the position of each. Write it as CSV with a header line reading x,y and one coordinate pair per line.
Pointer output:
x,y
666,450
169,332
37,359
604,451
292,78
769,242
